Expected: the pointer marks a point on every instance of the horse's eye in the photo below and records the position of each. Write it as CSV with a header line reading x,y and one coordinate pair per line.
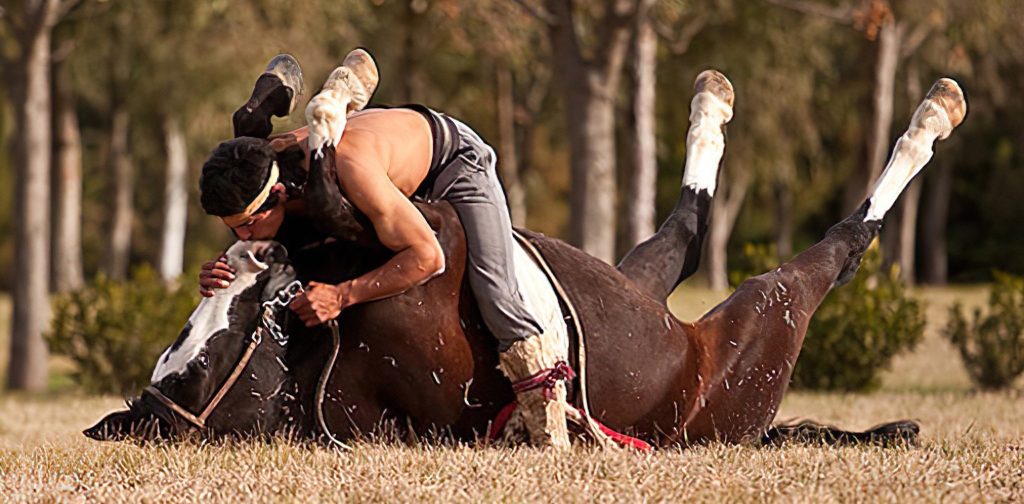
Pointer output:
x,y
203,359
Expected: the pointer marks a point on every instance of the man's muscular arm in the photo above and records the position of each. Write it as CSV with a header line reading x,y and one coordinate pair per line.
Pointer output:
x,y
399,227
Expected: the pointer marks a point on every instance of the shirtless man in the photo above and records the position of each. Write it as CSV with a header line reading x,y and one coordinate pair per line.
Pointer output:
x,y
383,158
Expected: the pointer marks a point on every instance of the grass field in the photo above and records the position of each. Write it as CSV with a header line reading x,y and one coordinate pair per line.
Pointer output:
x,y
972,450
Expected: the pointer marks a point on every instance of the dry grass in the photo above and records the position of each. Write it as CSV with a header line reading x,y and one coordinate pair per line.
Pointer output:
x,y
972,449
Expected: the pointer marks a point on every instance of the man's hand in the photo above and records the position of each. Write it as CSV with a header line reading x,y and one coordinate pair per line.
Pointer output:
x,y
321,302
215,274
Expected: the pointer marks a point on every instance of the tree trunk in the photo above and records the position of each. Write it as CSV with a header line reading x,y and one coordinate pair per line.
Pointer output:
x,y
412,17
508,156
908,230
118,256
172,242
592,147
934,267
66,247
881,121
783,220
30,96
642,189
725,208
589,88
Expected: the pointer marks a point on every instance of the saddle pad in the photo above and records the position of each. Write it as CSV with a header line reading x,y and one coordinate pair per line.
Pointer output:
x,y
541,298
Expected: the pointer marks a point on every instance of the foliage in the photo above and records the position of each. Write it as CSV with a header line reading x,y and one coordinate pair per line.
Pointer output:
x,y
756,259
992,346
114,331
801,118
858,329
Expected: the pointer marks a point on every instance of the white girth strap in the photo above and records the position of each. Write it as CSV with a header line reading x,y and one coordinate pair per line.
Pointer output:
x,y
586,420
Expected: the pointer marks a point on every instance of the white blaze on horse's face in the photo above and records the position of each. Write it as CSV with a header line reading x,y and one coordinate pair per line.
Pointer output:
x,y
211,316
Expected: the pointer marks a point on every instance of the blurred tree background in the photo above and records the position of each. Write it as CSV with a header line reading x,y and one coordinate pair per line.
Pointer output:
x,y
111,106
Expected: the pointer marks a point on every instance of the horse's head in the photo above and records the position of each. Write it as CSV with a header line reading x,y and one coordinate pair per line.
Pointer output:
x,y
191,372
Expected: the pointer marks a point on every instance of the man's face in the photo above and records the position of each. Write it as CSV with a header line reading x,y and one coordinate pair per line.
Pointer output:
x,y
263,225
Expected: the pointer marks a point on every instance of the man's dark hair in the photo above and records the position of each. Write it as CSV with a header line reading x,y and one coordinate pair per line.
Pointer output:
x,y
234,175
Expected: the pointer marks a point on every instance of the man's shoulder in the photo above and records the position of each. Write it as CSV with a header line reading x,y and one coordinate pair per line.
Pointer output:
x,y
360,143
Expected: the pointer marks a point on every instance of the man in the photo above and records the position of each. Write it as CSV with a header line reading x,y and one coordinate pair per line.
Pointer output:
x,y
383,157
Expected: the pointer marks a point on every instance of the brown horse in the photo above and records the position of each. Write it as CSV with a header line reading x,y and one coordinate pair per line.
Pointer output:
x,y
424,361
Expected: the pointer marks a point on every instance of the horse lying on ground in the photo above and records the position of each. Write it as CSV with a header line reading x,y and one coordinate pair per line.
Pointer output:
x,y
424,361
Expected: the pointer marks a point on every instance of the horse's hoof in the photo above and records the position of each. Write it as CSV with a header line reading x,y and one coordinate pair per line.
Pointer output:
x,y
286,68
276,93
948,96
715,83
365,69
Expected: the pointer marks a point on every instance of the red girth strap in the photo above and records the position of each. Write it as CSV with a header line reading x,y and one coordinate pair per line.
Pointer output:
x,y
627,441
546,379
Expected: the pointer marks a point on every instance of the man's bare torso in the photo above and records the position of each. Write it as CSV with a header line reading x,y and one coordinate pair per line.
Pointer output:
x,y
403,138
396,140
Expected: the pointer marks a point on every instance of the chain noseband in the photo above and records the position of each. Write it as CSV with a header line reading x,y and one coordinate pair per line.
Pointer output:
x,y
268,324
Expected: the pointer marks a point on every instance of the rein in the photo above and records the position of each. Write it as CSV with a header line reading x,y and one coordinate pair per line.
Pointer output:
x,y
321,386
268,324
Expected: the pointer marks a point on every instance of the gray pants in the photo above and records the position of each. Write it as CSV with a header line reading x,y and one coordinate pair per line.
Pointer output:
x,y
470,183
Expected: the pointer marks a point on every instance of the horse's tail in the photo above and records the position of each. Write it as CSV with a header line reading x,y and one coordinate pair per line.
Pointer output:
x,y
899,433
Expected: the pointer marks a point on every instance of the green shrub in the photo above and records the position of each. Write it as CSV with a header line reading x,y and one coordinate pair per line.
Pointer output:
x,y
114,331
992,346
756,259
858,329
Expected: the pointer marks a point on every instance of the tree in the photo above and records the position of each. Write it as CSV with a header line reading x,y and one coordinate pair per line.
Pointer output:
x,y
774,138
589,42
677,23
897,38
725,208
508,152
30,25
508,38
66,240
172,242
119,155
639,204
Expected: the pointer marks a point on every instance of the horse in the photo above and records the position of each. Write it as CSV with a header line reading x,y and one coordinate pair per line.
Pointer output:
x,y
424,362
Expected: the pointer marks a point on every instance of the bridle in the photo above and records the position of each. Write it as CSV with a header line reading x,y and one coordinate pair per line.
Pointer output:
x,y
267,324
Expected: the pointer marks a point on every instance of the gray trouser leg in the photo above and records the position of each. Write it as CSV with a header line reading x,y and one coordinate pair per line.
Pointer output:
x,y
471,185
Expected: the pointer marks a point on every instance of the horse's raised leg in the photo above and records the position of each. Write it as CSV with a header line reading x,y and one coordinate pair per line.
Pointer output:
x,y
275,93
672,254
751,341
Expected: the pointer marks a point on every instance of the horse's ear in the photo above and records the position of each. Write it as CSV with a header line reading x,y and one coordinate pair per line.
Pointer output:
x,y
282,275
113,427
273,253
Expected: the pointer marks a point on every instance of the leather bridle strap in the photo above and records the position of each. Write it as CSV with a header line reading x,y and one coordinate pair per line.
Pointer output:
x,y
200,421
